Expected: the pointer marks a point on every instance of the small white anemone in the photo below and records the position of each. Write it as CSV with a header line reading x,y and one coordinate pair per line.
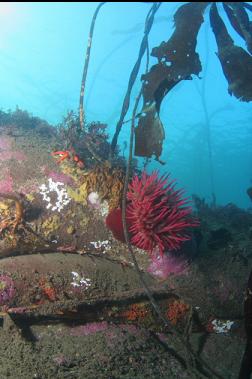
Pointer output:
x,y
94,200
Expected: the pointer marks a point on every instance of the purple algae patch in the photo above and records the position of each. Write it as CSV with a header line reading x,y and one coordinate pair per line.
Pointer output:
x,y
89,328
60,177
7,289
7,153
164,265
5,143
6,185
17,155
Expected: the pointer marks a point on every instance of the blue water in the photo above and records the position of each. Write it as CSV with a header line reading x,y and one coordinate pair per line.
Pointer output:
x,y
42,51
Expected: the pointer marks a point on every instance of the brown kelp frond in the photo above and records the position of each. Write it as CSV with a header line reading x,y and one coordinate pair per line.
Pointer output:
x,y
177,60
235,61
143,47
149,136
239,20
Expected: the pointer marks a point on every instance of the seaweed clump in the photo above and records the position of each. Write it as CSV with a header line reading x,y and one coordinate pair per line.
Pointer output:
x,y
108,182
91,143
97,135
23,119
68,130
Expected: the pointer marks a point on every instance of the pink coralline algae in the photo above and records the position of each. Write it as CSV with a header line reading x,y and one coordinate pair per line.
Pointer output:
x,y
28,187
5,143
17,155
163,265
7,289
89,328
6,151
6,185
60,177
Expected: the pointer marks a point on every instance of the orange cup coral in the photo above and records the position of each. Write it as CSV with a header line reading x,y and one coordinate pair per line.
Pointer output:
x,y
176,311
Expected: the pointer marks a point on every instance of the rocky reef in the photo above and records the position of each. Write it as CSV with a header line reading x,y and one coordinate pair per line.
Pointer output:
x,y
60,265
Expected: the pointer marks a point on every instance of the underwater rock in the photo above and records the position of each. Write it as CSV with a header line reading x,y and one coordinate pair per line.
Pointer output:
x,y
246,366
51,283
249,192
54,196
67,351
219,238
7,290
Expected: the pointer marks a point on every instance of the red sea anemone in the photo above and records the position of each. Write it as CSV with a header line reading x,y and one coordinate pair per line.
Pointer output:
x,y
115,224
156,214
